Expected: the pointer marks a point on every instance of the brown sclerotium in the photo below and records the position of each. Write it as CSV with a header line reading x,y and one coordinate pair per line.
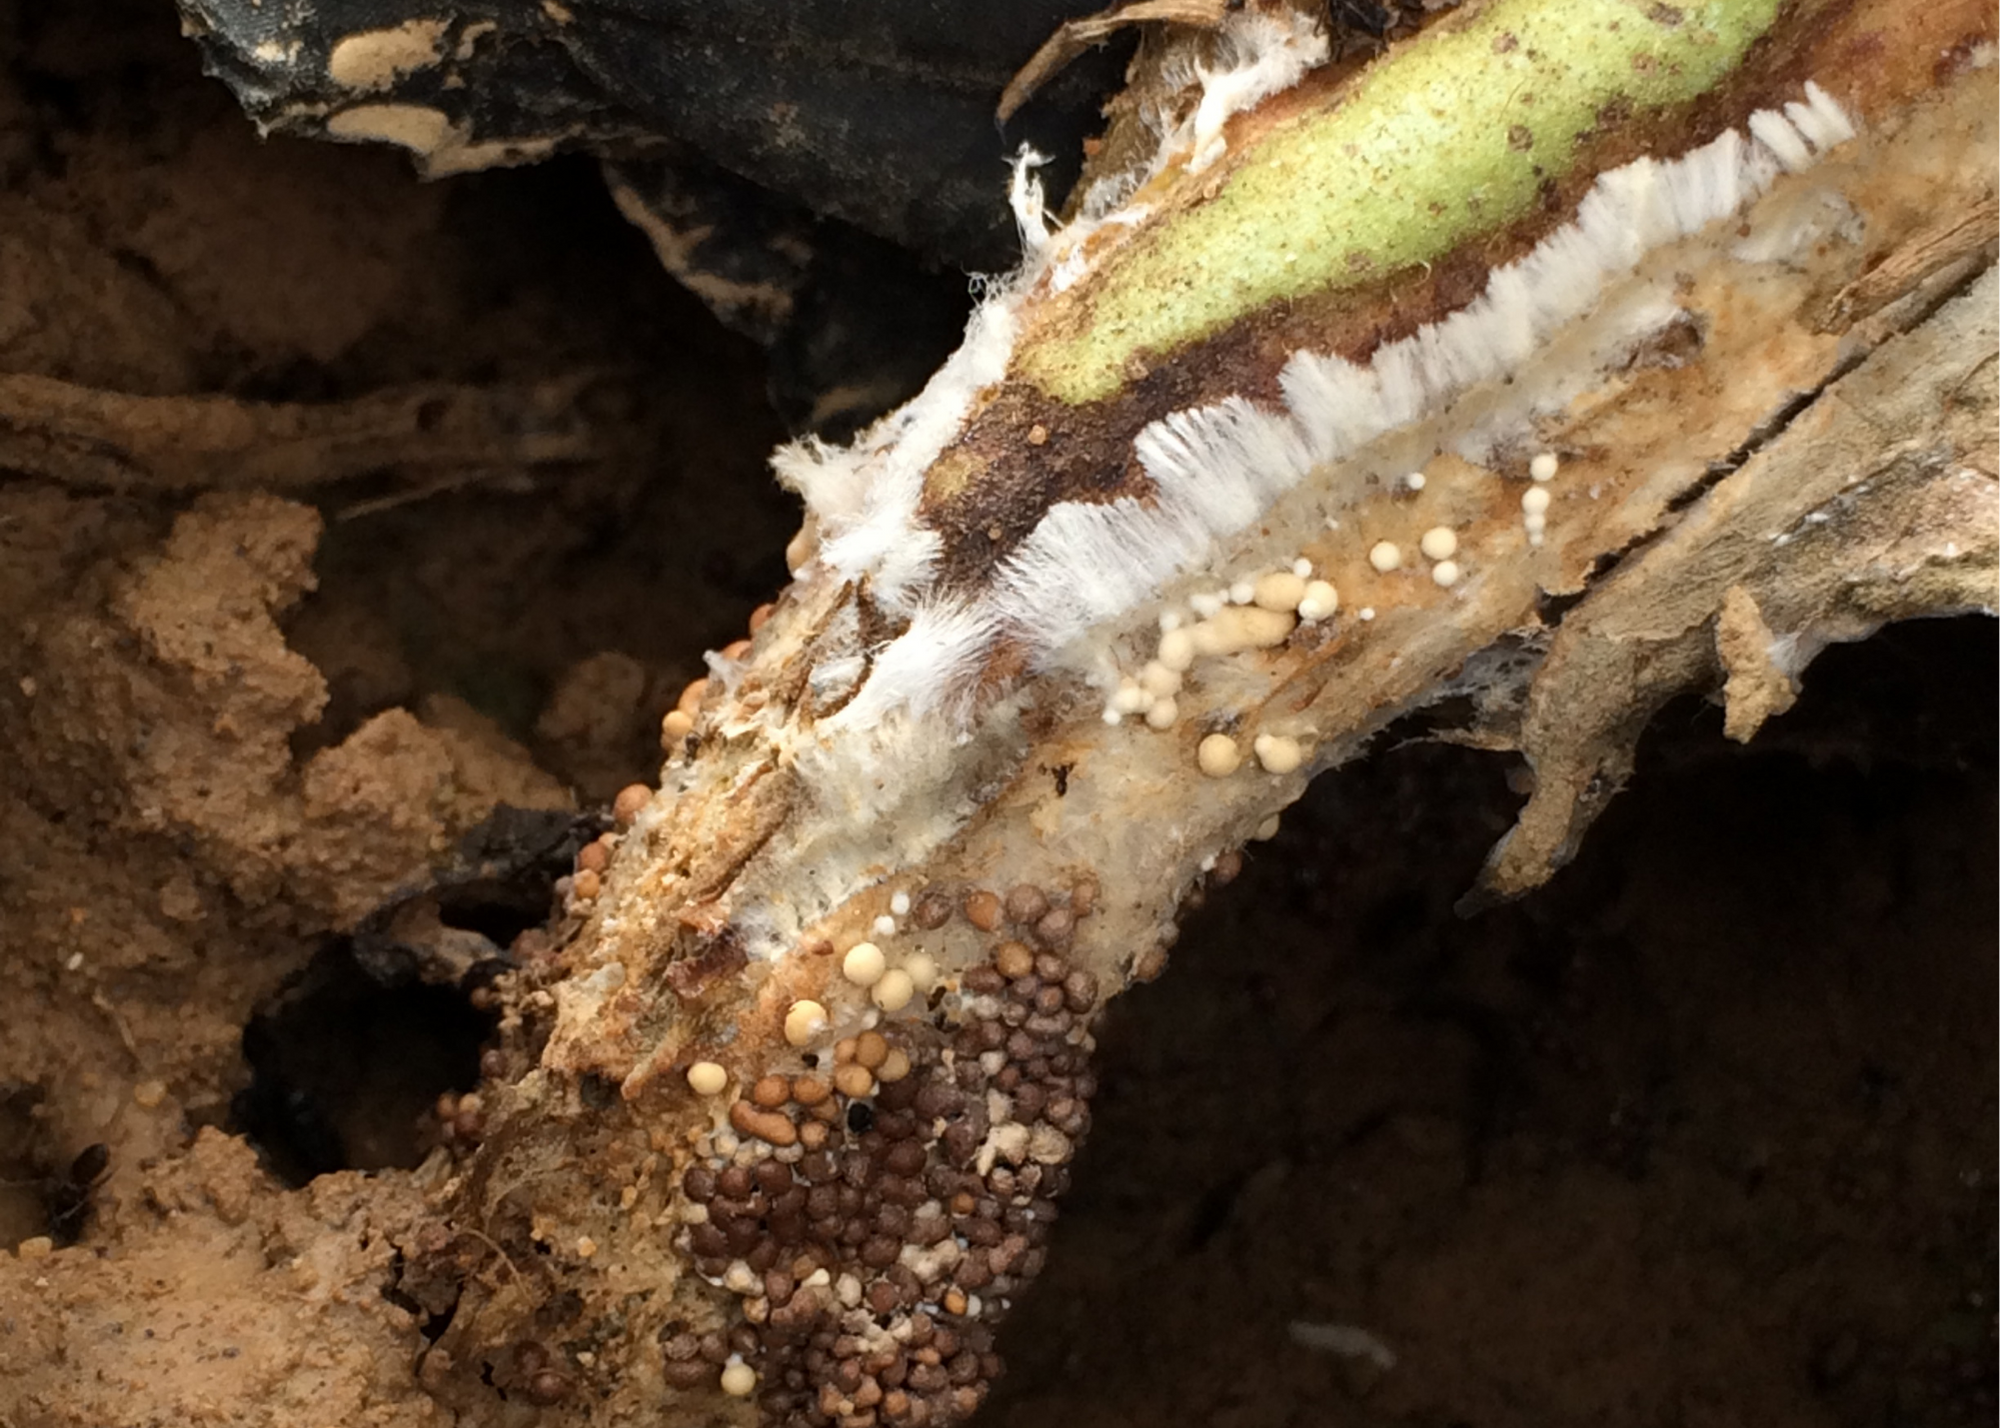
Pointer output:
x,y
876,1215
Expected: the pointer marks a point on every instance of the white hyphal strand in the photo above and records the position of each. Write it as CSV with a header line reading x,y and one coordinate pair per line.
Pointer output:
x,y
1256,55
1262,55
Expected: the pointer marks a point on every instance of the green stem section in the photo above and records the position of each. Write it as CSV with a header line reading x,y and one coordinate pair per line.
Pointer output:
x,y
1450,137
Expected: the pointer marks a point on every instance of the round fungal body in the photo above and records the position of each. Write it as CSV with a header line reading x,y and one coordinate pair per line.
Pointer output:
x,y
873,1220
1318,601
1177,650
805,1020
1159,679
982,910
1278,753
1279,590
1439,543
1218,756
630,803
893,992
1385,556
1243,627
864,964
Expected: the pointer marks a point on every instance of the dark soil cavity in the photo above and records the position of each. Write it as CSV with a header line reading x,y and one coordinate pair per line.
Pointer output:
x,y
347,1066
43,1192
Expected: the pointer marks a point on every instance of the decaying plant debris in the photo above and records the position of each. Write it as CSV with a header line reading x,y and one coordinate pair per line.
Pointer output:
x,y
857,822
778,1111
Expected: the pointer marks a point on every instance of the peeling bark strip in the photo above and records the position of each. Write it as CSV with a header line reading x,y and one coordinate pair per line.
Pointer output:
x,y
803,1188
120,441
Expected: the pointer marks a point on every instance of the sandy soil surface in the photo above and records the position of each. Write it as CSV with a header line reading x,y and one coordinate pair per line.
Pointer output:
x,y
1703,1134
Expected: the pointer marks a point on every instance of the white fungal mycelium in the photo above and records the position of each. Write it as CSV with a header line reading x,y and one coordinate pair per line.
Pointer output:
x,y
1024,197
1474,383
1217,469
1256,54
1260,55
862,499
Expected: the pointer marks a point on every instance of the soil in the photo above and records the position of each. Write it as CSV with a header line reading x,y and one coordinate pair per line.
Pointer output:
x,y
1701,1134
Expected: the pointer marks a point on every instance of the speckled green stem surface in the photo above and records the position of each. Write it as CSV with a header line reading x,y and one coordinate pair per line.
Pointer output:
x,y
1450,138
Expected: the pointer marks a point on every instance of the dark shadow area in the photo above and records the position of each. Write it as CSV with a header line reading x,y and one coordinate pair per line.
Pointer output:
x,y
348,1060
345,1066
43,1190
